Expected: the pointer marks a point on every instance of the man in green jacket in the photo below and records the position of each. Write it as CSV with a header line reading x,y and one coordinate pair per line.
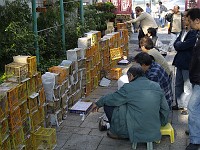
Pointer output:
x,y
137,110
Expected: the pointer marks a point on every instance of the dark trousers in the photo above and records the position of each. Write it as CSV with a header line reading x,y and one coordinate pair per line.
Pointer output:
x,y
140,35
109,111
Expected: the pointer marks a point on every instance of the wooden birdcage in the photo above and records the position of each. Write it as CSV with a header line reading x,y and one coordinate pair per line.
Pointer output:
x,y
42,5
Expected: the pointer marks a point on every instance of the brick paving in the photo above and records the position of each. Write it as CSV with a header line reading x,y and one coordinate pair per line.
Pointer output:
x,y
74,134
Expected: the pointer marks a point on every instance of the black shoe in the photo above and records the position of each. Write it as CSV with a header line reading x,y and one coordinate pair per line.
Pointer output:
x,y
102,126
114,136
184,112
187,132
193,147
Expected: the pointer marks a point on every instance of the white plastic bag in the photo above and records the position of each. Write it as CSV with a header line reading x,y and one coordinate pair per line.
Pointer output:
x,y
48,81
123,79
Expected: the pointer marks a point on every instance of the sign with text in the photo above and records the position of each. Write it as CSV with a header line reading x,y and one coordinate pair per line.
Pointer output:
x,y
123,6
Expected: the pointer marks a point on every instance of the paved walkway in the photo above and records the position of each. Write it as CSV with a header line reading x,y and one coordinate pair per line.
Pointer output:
x,y
74,134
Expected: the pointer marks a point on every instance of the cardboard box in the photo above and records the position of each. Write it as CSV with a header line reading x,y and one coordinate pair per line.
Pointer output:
x,y
81,107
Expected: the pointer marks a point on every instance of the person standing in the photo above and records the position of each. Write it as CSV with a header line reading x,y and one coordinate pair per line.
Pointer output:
x,y
148,8
145,21
183,45
194,75
176,25
162,12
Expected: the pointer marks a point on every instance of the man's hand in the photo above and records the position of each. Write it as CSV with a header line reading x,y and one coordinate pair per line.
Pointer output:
x,y
95,108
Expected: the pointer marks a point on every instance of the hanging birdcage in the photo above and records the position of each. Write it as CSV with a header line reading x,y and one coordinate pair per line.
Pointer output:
x,y
42,5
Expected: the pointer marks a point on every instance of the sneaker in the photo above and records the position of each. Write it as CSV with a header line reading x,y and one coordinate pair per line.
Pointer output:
x,y
193,147
102,125
114,136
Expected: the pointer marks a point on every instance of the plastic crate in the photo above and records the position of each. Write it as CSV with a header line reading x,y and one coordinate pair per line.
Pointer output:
x,y
31,86
3,105
44,138
22,92
24,110
16,72
17,139
33,102
4,130
26,125
42,97
14,120
36,120
32,66
6,145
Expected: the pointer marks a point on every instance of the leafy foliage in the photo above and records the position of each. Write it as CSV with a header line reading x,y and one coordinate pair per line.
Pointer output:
x,y
98,14
17,37
15,32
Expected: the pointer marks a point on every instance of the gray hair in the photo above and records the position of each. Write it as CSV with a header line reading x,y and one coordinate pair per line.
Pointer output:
x,y
135,70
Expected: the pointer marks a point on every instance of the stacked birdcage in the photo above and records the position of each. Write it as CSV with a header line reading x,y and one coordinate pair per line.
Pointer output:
x,y
22,103
93,61
121,18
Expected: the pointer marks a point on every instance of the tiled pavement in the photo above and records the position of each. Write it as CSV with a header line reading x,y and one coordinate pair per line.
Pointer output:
x,y
74,134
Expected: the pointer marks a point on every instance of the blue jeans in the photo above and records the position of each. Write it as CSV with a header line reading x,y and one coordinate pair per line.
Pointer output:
x,y
162,22
183,88
194,115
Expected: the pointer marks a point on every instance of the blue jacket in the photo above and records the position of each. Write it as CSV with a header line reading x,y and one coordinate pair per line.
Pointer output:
x,y
184,50
140,110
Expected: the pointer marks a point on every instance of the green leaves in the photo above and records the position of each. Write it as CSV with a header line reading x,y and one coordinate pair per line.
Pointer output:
x,y
98,14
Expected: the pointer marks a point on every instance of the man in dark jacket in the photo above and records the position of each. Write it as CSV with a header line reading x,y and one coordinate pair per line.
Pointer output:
x,y
137,110
183,45
194,75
